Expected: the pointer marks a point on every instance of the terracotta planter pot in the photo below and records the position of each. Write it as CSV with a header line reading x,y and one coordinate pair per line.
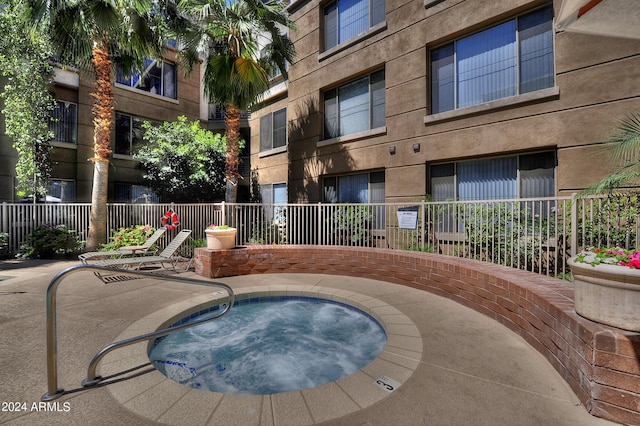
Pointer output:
x,y
221,239
607,294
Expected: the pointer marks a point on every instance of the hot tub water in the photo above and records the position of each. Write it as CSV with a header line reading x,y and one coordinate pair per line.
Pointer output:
x,y
279,345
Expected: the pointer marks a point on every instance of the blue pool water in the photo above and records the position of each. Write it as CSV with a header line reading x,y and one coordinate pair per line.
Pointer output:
x,y
277,345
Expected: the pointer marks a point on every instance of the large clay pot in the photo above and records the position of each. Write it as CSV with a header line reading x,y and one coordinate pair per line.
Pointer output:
x,y
607,294
221,239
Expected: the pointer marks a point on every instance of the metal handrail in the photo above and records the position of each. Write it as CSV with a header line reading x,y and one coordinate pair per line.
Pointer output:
x,y
92,379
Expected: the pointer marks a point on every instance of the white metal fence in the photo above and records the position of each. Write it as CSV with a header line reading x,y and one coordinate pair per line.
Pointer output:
x,y
538,235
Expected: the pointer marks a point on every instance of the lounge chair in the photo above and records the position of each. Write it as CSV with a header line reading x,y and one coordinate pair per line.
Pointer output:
x,y
167,258
91,256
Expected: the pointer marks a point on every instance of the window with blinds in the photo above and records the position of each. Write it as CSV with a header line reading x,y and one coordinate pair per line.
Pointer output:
x,y
274,193
356,106
63,189
518,176
509,59
273,130
355,188
346,19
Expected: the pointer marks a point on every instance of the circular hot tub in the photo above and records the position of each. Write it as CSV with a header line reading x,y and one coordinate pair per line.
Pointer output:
x,y
268,345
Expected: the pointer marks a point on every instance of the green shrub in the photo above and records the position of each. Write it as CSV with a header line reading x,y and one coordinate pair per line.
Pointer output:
x,y
351,225
610,221
186,250
267,233
132,236
51,241
4,245
427,248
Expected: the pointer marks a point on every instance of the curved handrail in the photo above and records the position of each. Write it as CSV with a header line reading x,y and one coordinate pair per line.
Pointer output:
x,y
52,357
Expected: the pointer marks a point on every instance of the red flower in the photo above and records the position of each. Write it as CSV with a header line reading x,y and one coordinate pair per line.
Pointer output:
x,y
635,263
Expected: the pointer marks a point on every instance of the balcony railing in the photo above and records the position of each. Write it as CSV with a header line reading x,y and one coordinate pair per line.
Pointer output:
x,y
216,113
537,235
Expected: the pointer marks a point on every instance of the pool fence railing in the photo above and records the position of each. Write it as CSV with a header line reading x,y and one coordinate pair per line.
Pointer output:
x,y
534,234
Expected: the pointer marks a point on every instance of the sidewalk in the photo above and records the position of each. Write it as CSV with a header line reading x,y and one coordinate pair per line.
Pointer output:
x,y
472,371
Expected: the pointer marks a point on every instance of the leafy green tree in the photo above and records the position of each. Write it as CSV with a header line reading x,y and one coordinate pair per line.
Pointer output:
x,y
101,37
183,162
242,42
28,76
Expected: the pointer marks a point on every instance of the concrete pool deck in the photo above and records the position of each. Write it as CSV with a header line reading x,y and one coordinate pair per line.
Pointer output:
x,y
467,368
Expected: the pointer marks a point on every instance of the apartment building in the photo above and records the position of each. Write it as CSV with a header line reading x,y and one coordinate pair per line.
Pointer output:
x,y
391,101
161,93
458,99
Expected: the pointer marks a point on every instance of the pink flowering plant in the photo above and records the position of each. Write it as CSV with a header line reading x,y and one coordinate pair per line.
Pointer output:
x,y
610,256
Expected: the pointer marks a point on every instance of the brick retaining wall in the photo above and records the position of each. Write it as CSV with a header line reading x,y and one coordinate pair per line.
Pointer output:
x,y
600,363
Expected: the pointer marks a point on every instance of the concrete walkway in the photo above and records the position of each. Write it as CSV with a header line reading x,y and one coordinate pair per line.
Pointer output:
x,y
471,371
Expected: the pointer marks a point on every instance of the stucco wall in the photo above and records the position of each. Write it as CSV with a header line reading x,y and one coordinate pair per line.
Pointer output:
x,y
597,84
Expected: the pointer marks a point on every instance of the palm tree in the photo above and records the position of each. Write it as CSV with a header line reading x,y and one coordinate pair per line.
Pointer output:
x,y
101,36
625,155
242,41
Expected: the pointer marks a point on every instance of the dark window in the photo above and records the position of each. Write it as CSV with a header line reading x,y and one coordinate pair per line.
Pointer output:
x,y
274,193
65,190
129,134
130,193
361,188
64,123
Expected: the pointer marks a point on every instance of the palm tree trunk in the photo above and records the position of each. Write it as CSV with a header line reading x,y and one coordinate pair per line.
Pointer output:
x,y
232,124
103,123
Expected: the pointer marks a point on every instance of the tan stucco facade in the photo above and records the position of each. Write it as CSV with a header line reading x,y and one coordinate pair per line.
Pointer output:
x,y
597,83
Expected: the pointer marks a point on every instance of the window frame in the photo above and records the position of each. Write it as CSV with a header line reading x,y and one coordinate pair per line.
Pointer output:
x,y
518,172
128,81
268,132
133,188
54,126
498,102
375,24
331,99
132,139
377,175
376,181
63,183
450,227
277,213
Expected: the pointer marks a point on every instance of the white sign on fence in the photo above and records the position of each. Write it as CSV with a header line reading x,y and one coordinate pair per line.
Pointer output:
x,y
408,217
